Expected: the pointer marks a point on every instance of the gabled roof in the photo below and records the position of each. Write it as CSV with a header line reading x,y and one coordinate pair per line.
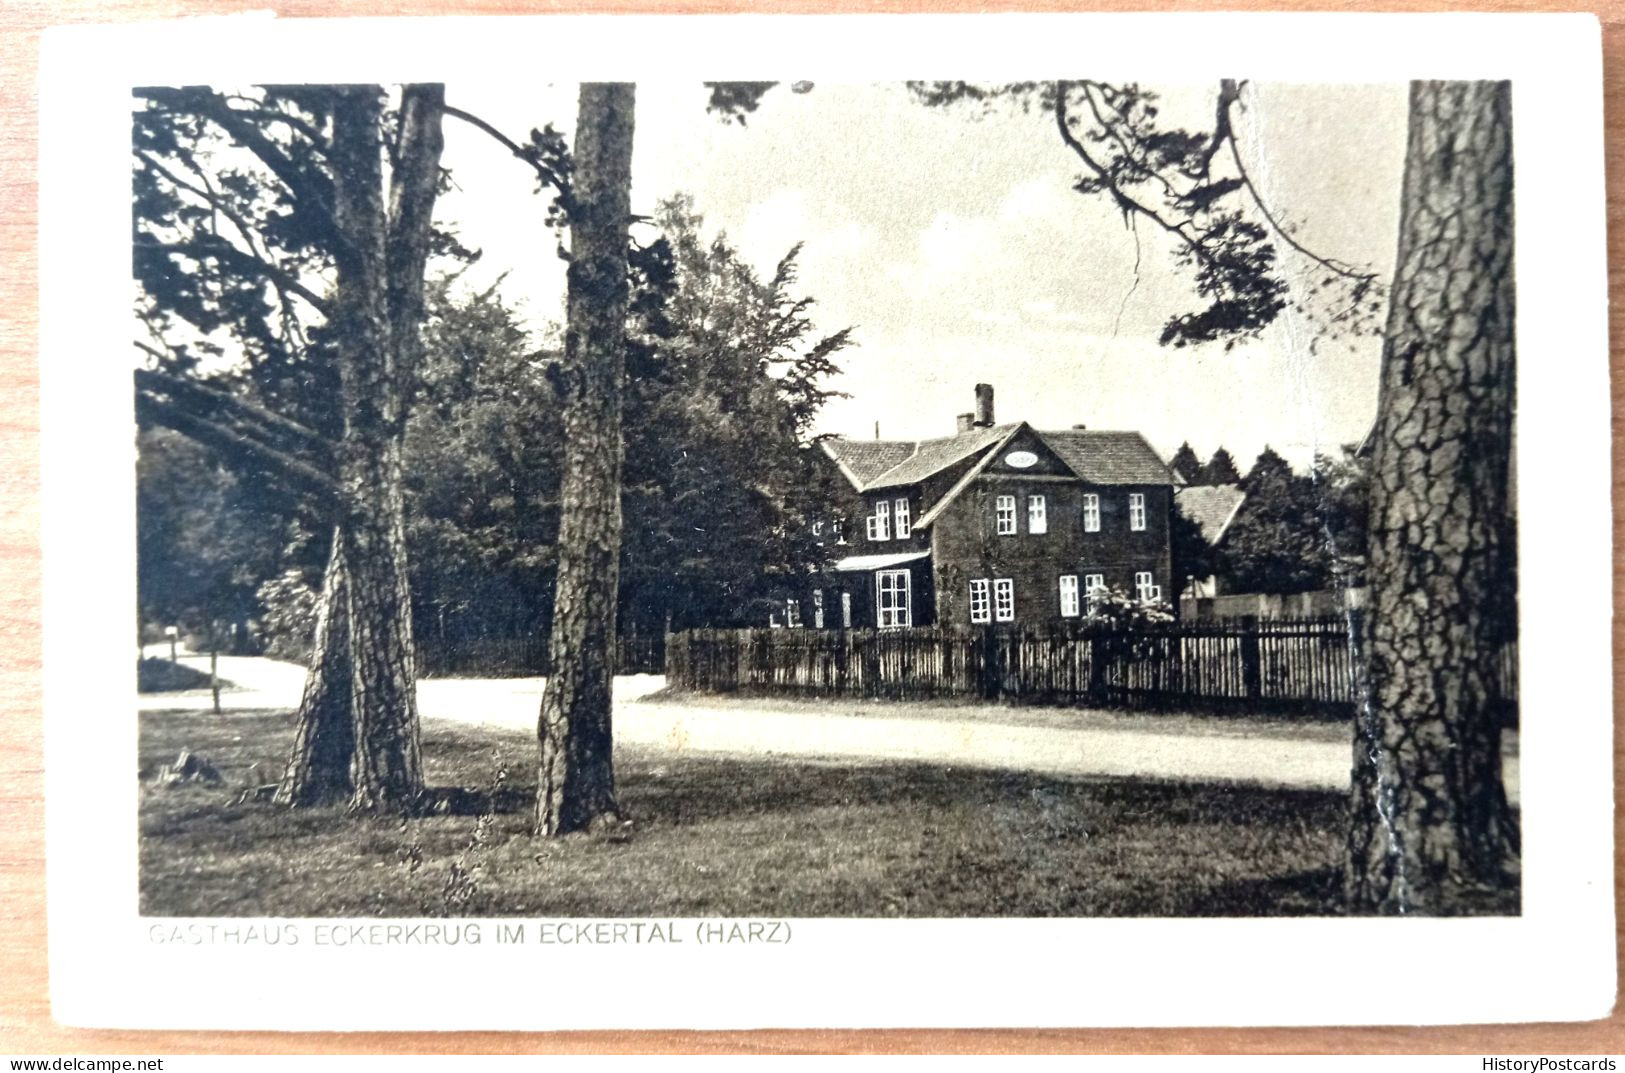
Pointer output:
x,y
1096,456
1211,506
964,482
1106,457
931,457
864,460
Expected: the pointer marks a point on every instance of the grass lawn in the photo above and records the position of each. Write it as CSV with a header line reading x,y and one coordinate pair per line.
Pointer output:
x,y
725,836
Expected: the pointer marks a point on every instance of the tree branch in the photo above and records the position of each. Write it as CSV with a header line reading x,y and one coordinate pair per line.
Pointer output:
x,y
1117,136
211,105
277,115
206,400
1229,92
473,120
546,174
1124,201
225,251
1331,265
211,197
318,488
290,321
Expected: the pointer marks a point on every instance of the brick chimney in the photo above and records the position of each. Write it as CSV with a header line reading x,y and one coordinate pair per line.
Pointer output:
x,y
964,422
984,406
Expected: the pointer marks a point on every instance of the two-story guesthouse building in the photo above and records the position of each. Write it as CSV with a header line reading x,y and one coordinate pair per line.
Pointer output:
x,y
995,524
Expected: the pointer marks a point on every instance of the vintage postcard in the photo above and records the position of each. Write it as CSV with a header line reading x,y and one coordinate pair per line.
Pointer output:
x,y
721,522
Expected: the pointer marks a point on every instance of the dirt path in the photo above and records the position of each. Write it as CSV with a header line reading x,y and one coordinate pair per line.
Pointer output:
x,y
1183,748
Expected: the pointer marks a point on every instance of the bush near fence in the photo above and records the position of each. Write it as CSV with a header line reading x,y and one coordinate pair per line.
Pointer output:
x,y
1279,665
523,657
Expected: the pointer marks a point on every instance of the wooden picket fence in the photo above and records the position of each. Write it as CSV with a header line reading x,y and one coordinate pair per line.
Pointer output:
x,y
518,657
1286,665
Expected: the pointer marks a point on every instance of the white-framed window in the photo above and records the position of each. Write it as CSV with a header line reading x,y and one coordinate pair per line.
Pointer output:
x,y
1037,515
1091,513
838,528
792,613
892,606
846,610
901,518
818,529
1069,596
981,602
818,609
880,521
1004,512
1004,600
1136,511
1094,586
1146,588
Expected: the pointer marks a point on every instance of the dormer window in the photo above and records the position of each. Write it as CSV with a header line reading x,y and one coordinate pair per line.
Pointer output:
x,y
1004,513
880,521
901,516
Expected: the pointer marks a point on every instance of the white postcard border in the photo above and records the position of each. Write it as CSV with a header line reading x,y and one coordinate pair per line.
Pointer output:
x,y
1555,962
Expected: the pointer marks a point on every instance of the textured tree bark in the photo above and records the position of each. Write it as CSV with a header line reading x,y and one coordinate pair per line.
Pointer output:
x,y
1430,829
358,722
318,771
386,766
576,776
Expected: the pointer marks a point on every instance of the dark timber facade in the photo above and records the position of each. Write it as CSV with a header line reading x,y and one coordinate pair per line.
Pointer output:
x,y
995,525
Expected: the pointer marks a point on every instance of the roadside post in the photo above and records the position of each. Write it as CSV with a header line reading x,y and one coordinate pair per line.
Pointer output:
x,y
214,665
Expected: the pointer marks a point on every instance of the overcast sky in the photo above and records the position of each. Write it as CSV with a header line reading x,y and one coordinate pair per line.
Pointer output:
x,y
956,249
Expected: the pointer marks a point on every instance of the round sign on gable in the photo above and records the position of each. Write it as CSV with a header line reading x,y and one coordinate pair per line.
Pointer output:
x,y
1020,459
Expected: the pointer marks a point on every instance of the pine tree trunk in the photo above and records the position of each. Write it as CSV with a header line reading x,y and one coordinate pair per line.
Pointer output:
x,y
318,771
358,722
386,769
576,777
1430,829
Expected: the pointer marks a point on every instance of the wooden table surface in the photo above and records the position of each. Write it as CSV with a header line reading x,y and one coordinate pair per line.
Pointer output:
x,y
25,1021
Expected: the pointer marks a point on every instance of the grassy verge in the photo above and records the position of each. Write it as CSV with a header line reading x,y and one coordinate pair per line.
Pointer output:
x,y
730,837
726,836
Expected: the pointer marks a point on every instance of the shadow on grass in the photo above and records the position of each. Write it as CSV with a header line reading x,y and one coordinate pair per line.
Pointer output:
x,y
162,676
466,801
758,836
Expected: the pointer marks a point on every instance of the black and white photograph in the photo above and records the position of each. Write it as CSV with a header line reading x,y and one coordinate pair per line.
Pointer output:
x,y
684,512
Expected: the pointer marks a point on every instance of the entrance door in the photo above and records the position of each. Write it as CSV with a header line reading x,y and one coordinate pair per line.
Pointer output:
x,y
893,608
